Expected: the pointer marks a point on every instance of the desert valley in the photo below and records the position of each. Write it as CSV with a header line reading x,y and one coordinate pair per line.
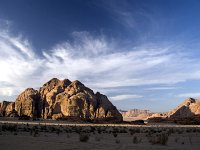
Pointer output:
x,y
99,75
68,115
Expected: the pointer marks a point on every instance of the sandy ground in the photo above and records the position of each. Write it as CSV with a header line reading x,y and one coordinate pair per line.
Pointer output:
x,y
31,136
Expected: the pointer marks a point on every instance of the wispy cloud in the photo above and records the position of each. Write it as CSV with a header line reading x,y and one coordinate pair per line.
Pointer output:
x,y
125,97
119,12
187,95
131,15
161,88
96,61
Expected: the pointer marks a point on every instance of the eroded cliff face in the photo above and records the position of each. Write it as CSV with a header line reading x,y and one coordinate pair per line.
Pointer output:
x,y
189,108
59,99
48,92
186,113
136,114
28,103
7,109
73,99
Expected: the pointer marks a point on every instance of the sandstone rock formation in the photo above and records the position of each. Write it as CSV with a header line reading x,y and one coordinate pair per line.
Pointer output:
x,y
189,108
28,103
135,114
72,99
63,99
49,91
186,113
7,109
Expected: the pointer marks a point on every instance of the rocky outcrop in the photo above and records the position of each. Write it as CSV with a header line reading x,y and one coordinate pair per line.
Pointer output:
x,y
48,92
186,113
63,99
136,114
189,108
7,109
28,103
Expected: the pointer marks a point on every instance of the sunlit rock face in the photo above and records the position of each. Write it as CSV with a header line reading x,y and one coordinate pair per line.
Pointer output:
x,y
28,103
136,114
186,113
58,99
48,93
6,108
189,108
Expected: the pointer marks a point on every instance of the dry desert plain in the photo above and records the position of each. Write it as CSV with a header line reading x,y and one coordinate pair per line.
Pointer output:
x,y
59,135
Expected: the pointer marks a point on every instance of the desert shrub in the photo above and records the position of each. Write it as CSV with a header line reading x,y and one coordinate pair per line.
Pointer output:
x,y
180,131
36,133
161,138
197,129
43,128
190,140
68,136
117,141
194,130
84,137
132,131
123,130
115,129
6,127
97,138
31,131
78,130
92,129
99,131
52,129
58,131
115,134
136,140
149,134
25,129
188,130
170,131
176,139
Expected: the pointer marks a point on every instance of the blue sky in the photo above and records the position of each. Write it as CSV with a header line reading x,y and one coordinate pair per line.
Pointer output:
x,y
140,53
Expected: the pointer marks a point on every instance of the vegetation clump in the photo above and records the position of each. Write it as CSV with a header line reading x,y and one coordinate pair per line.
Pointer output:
x,y
83,137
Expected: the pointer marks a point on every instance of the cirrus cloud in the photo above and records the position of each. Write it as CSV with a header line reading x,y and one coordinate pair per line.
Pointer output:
x,y
96,61
125,97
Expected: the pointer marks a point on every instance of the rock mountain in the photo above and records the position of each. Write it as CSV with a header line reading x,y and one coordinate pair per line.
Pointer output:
x,y
186,113
62,99
189,108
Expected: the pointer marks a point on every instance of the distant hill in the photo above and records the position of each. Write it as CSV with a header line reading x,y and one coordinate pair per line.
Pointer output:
x,y
135,114
189,108
186,113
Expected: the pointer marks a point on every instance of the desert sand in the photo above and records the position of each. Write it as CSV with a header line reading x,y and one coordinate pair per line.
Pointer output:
x,y
57,135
